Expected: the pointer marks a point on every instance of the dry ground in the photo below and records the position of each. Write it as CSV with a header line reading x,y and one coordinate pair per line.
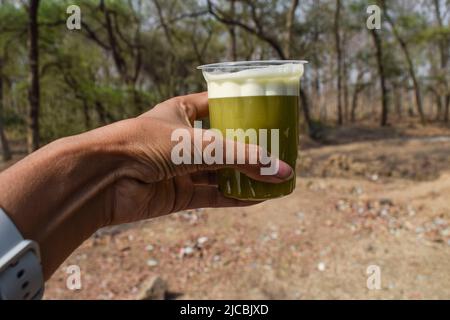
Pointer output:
x,y
371,197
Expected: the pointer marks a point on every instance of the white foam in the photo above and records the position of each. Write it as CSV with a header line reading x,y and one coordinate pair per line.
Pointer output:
x,y
252,88
267,81
229,88
275,88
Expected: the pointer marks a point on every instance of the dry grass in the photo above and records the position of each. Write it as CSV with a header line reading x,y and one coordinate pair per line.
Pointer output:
x,y
383,200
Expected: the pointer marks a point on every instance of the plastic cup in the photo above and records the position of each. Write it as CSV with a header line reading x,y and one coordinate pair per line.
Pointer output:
x,y
262,96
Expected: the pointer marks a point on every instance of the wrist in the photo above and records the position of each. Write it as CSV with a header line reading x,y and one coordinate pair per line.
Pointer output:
x,y
93,162
61,194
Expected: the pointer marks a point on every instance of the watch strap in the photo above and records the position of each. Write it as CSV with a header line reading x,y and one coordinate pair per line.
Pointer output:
x,y
21,274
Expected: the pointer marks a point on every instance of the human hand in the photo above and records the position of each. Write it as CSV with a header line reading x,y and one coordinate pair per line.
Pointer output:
x,y
123,172
153,185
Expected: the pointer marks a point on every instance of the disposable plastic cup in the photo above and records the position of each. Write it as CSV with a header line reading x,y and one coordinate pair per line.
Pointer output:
x,y
262,96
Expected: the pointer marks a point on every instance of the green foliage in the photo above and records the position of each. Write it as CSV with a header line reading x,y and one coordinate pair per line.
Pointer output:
x,y
433,33
93,76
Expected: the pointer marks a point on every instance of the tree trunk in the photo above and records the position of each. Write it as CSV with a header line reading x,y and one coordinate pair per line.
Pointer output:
x,y
354,104
358,88
345,89
304,100
339,61
6,153
443,50
438,101
104,116
119,61
398,100
447,111
33,92
289,27
416,86
411,71
411,112
345,77
100,113
232,53
87,116
382,75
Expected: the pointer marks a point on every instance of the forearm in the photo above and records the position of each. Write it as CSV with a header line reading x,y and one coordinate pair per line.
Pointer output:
x,y
59,195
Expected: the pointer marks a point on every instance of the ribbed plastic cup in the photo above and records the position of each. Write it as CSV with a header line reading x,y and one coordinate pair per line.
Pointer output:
x,y
262,96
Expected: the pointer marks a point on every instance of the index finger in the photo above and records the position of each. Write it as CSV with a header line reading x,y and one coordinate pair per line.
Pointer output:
x,y
195,105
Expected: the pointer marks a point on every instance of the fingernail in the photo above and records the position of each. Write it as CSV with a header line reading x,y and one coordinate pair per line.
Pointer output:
x,y
284,172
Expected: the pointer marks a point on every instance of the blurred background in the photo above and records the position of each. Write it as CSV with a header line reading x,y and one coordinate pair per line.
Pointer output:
x,y
373,169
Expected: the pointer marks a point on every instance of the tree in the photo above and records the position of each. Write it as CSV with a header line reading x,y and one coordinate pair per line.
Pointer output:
x,y
443,45
410,66
382,76
6,153
34,90
116,28
337,37
131,54
358,88
232,53
289,27
5,43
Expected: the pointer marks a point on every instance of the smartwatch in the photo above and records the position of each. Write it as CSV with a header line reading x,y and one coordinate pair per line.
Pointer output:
x,y
21,276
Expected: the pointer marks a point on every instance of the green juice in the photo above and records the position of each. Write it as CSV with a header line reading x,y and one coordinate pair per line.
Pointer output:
x,y
257,112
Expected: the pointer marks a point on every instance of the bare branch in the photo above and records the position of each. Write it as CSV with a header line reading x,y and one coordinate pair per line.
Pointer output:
x,y
94,37
257,32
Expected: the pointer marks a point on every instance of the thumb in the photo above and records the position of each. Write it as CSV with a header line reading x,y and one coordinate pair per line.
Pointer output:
x,y
250,161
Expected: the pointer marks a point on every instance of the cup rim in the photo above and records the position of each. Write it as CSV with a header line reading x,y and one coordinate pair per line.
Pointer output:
x,y
252,64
